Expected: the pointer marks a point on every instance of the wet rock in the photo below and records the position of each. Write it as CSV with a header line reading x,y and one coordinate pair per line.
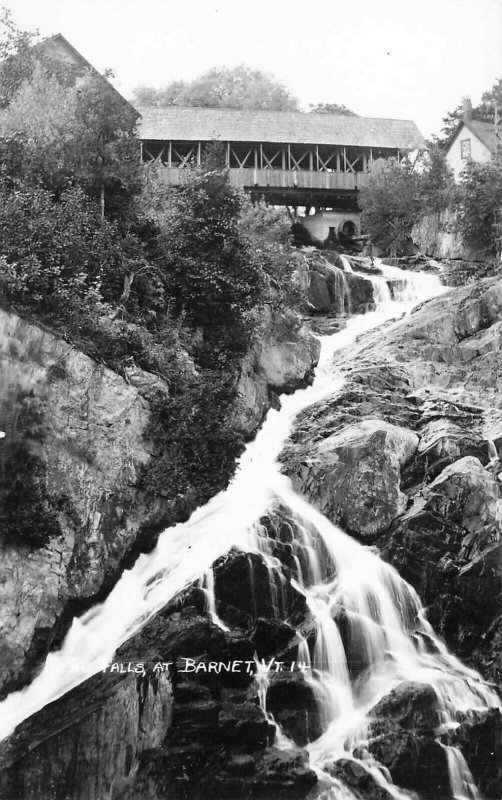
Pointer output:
x,y
353,476
361,293
318,294
286,773
294,705
413,705
415,762
243,580
245,727
271,636
86,746
480,738
361,778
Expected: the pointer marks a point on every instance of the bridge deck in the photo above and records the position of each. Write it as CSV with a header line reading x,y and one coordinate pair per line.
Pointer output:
x,y
250,178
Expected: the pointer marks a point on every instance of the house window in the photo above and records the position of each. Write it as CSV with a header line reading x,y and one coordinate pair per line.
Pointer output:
x,y
465,148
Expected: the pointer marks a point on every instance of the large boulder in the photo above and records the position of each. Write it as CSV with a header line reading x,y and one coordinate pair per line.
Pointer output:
x,y
401,737
353,476
281,359
437,236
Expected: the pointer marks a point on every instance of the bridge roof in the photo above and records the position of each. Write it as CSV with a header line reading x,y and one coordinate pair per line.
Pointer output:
x,y
225,124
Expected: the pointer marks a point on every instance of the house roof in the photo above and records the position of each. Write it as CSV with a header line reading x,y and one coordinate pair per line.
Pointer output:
x,y
59,48
205,124
484,131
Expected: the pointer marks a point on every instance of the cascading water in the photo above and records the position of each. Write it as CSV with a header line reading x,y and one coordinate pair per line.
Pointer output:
x,y
393,639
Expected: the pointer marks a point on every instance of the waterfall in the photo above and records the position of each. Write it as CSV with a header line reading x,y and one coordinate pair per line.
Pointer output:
x,y
388,626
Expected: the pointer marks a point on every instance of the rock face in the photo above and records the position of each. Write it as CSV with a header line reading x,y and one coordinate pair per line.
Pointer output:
x,y
436,236
353,475
402,739
88,746
281,360
77,442
91,451
402,457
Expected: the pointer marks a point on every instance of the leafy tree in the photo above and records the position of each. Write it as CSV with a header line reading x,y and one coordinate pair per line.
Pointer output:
x,y
69,135
16,56
222,87
106,144
489,101
436,182
332,108
209,266
484,112
390,204
480,206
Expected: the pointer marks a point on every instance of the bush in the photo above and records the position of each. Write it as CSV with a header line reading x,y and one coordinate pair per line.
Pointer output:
x,y
480,206
390,204
210,269
56,253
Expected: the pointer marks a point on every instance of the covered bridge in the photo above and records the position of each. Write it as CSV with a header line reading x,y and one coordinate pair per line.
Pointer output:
x,y
290,158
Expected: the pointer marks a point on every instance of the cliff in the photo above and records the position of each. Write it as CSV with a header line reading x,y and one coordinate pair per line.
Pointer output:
x,y
78,450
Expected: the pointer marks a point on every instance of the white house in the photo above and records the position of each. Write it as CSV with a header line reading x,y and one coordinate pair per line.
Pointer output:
x,y
474,140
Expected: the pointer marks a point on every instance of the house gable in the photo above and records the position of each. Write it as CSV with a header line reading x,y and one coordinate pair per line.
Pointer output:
x,y
467,144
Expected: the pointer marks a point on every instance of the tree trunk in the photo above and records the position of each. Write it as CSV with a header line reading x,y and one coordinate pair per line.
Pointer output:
x,y
126,291
102,201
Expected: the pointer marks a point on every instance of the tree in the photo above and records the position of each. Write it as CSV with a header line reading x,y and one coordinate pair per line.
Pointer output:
x,y
436,182
208,265
83,135
332,108
106,143
484,112
16,56
390,204
480,206
222,87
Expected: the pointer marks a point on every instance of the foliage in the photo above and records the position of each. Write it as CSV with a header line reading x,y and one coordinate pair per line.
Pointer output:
x,y
191,430
222,87
16,56
57,253
332,108
22,476
484,112
83,136
106,143
437,186
169,278
263,224
480,206
209,268
390,204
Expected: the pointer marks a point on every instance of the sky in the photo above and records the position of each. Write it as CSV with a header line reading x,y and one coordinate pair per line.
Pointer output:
x,y
409,59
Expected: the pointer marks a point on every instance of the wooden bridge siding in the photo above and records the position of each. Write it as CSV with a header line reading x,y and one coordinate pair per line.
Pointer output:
x,y
286,179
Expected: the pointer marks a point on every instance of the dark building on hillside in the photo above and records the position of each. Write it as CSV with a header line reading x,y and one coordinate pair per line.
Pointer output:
x,y
313,160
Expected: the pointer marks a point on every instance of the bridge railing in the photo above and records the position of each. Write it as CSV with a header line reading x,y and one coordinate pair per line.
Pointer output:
x,y
250,178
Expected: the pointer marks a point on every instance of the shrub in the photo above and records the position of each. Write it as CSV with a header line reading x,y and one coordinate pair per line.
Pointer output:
x,y
480,206
390,204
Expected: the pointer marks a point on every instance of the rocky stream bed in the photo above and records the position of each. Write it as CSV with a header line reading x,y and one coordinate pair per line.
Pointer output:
x,y
403,454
